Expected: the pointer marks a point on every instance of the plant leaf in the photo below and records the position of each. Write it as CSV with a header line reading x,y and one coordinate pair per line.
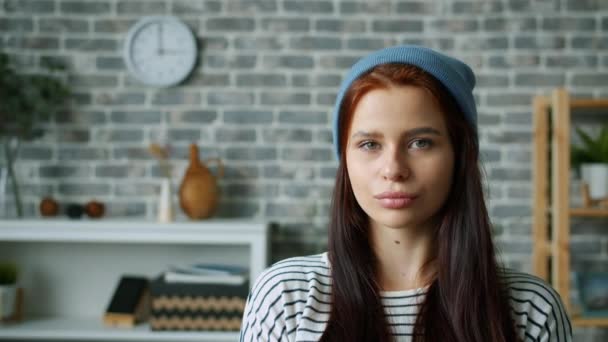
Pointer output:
x,y
26,100
593,150
587,140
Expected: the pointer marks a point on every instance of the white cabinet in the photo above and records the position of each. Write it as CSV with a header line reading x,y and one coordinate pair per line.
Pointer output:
x,y
69,269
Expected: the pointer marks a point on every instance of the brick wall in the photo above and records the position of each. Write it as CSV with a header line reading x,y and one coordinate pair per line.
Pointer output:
x,y
261,97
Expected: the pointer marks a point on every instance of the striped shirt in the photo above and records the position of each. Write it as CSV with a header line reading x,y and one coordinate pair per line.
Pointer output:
x,y
290,301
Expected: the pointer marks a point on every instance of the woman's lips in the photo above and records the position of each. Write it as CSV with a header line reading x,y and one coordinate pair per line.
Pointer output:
x,y
395,199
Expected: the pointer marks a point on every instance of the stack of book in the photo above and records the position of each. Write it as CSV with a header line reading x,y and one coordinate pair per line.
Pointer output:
x,y
200,296
205,273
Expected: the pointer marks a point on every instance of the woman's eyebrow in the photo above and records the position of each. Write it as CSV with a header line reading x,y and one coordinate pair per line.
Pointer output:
x,y
408,133
364,134
422,130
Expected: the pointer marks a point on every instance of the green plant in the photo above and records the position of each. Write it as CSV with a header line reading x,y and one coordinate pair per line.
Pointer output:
x,y
27,100
592,150
8,273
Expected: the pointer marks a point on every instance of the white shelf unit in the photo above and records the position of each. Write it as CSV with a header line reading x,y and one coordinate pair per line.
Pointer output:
x,y
79,329
70,268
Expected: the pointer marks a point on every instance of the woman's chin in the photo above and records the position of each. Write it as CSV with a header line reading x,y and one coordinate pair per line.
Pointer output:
x,y
396,220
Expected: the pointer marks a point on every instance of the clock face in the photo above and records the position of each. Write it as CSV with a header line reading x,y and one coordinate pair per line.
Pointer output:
x,y
160,51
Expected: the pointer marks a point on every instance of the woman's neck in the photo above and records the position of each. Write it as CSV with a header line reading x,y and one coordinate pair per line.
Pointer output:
x,y
403,256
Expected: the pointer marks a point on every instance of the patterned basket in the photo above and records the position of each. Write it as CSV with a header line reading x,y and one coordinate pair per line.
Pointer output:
x,y
188,306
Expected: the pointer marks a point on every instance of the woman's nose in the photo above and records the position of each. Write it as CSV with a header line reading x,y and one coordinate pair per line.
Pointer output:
x,y
395,168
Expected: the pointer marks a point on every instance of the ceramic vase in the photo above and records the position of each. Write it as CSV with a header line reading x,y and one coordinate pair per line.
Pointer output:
x,y
165,208
596,175
8,295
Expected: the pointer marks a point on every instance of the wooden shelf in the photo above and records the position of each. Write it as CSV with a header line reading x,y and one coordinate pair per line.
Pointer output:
x,y
589,212
589,322
552,213
588,103
92,329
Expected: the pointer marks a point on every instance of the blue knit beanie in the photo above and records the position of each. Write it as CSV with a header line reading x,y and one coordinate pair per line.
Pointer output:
x,y
455,75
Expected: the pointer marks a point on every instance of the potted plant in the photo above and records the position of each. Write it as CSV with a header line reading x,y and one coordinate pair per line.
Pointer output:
x,y
27,100
592,159
8,289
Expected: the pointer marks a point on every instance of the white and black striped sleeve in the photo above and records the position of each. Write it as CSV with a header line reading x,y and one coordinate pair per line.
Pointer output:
x,y
557,328
263,314
538,309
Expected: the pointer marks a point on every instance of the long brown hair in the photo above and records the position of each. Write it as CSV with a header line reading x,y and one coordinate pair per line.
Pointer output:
x,y
466,301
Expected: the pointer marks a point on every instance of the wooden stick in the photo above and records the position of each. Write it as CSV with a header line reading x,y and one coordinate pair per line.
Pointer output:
x,y
541,249
561,207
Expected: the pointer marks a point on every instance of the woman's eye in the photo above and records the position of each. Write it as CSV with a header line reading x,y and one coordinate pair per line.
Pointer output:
x,y
422,143
369,145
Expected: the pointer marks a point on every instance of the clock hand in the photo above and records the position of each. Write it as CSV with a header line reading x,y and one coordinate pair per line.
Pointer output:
x,y
174,52
161,39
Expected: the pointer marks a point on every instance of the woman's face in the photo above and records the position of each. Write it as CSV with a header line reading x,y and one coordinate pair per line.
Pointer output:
x,y
398,146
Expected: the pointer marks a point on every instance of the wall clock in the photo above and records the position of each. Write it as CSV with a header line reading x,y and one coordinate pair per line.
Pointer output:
x,y
160,51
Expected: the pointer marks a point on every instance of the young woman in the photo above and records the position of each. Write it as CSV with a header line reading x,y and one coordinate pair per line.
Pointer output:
x,y
410,255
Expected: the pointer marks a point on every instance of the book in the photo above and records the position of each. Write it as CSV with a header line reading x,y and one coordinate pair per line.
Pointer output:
x,y
176,276
207,273
211,269
129,304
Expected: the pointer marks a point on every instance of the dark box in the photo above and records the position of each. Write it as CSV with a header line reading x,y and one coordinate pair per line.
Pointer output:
x,y
197,306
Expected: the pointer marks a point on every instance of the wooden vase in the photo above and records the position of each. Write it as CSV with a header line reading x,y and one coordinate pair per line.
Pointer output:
x,y
199,192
